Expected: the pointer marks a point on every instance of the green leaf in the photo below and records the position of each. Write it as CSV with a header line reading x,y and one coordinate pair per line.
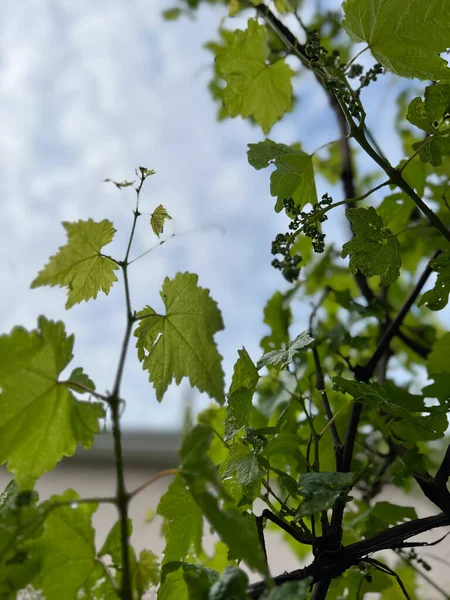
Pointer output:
x,y
146,571
40,419
384,514
66,548
112,546
172,584
254,88
405,36
291,590
285,357
21,522
232,585
409,424
278,316
438,359
78,376
196,466
79,266
293,176
243,466
158,218
320,491
433,116
181,342
183,522
437,298
243,385
198,580
119,184
374,250
235,530
395,211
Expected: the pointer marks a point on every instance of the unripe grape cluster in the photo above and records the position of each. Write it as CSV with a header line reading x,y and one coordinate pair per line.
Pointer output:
x,y
309,223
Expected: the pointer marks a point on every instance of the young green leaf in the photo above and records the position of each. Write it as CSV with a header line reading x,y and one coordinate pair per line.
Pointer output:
x,y
293,176
254,88
183,522
79,265
66,548
285,357
405,36
244,467
78,376
145,572
374,250
433,116
320,490
243,385
40,420
437,297
181,342
158,218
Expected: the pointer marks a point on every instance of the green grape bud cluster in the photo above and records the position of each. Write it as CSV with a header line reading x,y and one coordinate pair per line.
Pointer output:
x,y
370,75
289,265
310,223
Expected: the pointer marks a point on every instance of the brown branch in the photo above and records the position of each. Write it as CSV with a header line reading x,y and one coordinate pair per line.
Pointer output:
x,y
330,565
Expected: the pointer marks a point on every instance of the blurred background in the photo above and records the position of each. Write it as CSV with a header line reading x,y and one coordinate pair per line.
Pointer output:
x,y
92,90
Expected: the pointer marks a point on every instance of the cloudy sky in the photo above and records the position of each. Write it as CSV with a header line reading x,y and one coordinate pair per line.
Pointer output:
x,y
90,90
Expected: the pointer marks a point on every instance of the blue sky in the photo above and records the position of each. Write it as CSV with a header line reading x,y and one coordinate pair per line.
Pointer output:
x,y
90,90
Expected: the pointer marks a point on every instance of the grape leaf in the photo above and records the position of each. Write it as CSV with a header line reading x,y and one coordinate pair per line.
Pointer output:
x,y
278,316
183,521
197,467
21,521
145,571
254,88
285,357
79,266
198,580
233,583
40,420
438,358
235,530
437,297
158,218
433,116
409,423
78,376
243,466
291,590
172,583
66,548
243,385
374,250
405,36
320,490
293,176
181,342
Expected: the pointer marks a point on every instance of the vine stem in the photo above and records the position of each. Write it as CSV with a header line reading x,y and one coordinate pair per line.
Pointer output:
x,y
122,496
